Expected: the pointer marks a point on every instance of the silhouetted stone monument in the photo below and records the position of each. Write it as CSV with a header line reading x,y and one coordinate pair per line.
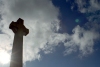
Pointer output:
x,y
17,51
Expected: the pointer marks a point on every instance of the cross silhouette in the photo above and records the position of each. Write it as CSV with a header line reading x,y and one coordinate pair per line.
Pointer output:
x,y
17,51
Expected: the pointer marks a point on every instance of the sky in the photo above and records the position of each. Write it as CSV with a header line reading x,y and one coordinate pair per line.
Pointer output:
x,y
62,33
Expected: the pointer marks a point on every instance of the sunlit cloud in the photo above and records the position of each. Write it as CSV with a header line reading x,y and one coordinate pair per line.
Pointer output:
x,y
4,57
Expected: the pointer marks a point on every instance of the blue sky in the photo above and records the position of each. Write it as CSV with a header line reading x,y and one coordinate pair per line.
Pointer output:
x,y
63,33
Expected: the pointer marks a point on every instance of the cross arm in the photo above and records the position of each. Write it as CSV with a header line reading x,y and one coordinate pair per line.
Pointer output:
x,y
19,25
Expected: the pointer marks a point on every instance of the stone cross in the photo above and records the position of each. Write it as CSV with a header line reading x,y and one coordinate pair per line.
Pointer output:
x,y
17,51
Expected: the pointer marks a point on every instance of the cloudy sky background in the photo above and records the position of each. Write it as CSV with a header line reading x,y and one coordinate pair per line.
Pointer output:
x,y
49,28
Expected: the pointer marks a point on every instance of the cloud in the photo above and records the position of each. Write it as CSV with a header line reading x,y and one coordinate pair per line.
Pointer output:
x,y
82,40
4,42
41,18
88,5
91,10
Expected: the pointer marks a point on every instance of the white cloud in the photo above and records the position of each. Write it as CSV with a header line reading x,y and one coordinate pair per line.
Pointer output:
x,y
81,39
41,18
91,8
88,5
4,42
